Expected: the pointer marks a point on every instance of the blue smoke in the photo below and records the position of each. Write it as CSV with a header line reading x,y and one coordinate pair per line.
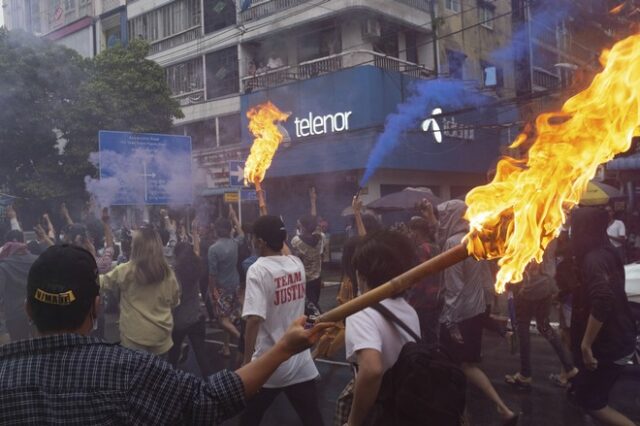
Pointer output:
x,y
451,94
428,94
546,15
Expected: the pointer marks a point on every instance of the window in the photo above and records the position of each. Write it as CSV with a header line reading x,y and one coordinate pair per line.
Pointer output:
x,y
487,16
318,44
229,130
166,21
218,14
206,134
203,133
453,5
222,73
185,77
456,63
492,75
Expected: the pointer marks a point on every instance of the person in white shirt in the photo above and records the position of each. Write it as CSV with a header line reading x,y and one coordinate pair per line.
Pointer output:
x,y
372,342
617,233
274,296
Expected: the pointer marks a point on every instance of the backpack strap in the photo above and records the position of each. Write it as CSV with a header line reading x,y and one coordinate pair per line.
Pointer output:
x,y
391,317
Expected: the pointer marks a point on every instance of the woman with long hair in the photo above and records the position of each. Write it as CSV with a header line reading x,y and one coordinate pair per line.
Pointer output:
x,y
148,293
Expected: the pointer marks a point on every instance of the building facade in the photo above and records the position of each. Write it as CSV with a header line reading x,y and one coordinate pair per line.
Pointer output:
x,y
87,26
320,60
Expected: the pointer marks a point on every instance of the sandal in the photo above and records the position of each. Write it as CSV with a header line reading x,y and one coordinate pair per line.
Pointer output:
x,y
518,380
557,380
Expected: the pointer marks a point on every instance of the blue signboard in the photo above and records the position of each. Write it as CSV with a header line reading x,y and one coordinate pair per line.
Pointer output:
x,y
236,174
143,168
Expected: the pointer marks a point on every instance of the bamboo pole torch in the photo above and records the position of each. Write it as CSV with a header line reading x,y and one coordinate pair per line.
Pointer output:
x,y
396,285
261,203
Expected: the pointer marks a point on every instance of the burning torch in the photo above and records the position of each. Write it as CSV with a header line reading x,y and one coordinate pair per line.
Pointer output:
x,y
263,124
521,211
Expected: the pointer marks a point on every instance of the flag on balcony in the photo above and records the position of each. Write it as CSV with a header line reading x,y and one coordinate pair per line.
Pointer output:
x,y
245,5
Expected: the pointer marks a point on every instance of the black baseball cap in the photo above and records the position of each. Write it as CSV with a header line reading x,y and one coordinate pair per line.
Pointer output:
x,y
62,287
271,230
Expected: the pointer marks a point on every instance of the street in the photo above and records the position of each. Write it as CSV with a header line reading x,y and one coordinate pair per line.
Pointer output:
x,y
545,404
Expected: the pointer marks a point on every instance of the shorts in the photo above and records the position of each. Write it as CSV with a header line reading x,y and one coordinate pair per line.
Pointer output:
x,y
590,389
470,351
228,304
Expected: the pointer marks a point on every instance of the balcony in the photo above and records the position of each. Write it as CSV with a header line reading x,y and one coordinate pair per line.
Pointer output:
x,y
418,4
262,9
328,64
191,34
191,98
545,80
109,5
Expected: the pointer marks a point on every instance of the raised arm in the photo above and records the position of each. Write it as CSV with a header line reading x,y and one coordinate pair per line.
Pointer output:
x,y
195,234
108,234
51,230
13,219
41,236
356,206
65,214
313,198
233,217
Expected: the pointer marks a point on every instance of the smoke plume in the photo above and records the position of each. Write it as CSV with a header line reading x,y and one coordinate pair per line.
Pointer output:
x,y
427,95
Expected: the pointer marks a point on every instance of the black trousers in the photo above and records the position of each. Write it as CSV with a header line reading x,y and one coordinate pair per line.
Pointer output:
x,y
526,310
313,288
303,396
196,334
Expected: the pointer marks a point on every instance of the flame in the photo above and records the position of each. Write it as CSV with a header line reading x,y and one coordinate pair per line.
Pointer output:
x,y
263,121
516,215
617,9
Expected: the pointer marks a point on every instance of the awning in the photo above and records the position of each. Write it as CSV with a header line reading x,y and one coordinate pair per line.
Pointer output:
x,y
625,163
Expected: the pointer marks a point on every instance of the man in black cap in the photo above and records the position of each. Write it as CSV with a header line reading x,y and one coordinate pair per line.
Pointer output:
x,y
274,295
66,377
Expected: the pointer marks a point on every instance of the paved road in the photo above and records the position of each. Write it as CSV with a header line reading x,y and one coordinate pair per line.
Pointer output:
x,y
543,405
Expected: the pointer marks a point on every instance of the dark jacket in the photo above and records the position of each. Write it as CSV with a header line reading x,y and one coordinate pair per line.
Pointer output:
x,y
601,289
13,291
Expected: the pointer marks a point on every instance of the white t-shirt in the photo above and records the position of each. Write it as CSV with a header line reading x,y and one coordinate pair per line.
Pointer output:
x,y
616,229
368,329
276,292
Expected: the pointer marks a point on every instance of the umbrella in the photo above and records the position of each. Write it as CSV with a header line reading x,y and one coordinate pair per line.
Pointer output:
x,y
599,193
348,211
404,200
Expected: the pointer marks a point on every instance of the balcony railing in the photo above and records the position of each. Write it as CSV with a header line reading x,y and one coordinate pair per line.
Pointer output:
x,y
191,98
176,40
545,79
261,9
328,64
418,4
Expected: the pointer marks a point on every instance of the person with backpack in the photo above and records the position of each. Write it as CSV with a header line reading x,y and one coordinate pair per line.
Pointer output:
x,y
372,342
463,313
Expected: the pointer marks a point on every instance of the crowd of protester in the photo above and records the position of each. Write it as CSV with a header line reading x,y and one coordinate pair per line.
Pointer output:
x,y
169,280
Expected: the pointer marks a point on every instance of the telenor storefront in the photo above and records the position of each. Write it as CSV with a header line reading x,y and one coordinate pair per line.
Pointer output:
x,y
335,122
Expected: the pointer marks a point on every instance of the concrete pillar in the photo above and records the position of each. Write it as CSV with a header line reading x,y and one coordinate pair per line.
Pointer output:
x,y
351,31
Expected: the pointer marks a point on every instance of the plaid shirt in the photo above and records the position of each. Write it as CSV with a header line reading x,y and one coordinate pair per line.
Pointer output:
x,y
75,380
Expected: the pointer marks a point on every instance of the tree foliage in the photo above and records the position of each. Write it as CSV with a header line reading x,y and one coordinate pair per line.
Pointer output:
x,y
50,95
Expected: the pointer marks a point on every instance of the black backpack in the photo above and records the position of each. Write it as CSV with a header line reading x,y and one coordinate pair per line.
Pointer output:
x,y
423,387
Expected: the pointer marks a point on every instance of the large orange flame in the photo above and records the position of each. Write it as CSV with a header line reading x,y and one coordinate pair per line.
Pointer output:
x,y
262,124
516,215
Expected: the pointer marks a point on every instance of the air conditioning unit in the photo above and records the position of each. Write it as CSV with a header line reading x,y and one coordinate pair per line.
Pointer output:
x,y
371,29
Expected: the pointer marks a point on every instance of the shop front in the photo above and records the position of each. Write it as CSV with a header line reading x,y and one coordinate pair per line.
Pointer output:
x,y
335,121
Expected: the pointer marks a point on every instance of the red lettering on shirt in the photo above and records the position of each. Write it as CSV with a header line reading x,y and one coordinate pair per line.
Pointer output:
x,y
288,288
